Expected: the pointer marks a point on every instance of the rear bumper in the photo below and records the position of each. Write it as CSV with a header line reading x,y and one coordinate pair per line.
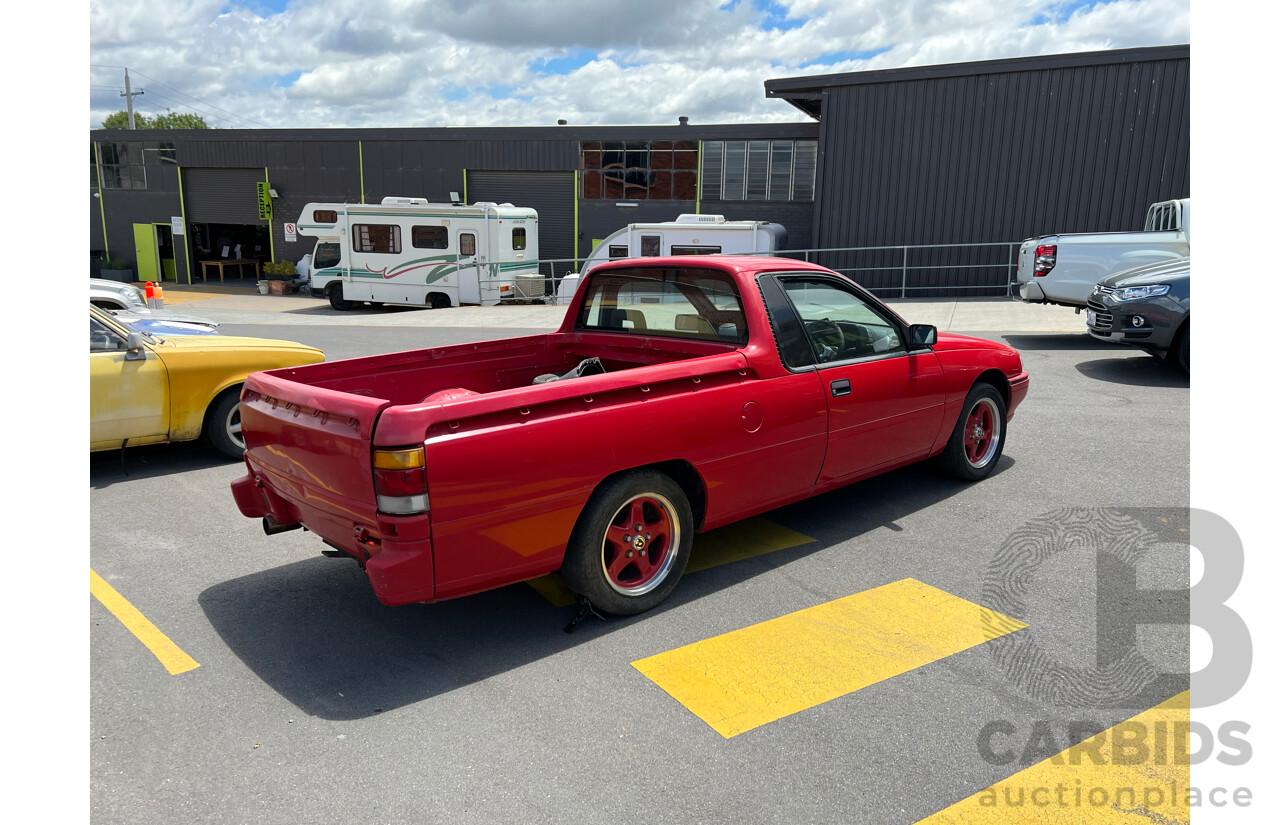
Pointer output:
x,y
1030,292
395,551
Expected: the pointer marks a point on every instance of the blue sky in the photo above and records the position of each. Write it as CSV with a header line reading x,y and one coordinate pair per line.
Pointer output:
x,y
311,63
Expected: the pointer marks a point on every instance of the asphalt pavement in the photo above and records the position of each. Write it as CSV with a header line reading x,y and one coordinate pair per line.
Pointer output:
x,y
311,702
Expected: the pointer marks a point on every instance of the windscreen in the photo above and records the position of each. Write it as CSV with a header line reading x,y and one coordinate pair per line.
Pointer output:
x,y
675,303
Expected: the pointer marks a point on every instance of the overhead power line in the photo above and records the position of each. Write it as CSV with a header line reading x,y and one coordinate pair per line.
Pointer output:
x,y
226,116
205,102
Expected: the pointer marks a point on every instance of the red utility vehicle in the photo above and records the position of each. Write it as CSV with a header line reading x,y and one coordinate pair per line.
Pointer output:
x,y
724,387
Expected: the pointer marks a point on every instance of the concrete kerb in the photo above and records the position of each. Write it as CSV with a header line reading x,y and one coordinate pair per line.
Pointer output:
x,y
244,305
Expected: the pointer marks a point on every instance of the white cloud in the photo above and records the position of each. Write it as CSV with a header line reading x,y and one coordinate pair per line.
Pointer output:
x,y
329,63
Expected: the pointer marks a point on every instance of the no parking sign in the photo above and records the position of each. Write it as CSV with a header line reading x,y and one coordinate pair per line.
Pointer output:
x,y
291,232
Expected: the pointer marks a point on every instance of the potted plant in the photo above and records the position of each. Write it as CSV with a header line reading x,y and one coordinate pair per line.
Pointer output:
x,y
117,269
280,275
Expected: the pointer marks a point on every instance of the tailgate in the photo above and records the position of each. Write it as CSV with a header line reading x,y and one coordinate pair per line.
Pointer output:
x,y
312,444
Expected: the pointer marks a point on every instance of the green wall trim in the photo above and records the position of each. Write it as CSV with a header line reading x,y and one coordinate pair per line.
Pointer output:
x,y
102,207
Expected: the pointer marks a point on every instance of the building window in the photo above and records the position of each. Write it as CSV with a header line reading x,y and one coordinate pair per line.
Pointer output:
x,y
430,237
639,169
376,237
156,153
122,166
518,238
759,170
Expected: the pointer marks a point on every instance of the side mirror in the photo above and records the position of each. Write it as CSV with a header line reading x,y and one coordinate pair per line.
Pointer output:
x,y
922,336
133,347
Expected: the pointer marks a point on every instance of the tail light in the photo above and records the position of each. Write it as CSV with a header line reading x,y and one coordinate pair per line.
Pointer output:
x,y
1046,258
400,480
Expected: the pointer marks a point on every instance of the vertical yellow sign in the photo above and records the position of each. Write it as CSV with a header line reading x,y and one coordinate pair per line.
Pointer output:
x,y
264,201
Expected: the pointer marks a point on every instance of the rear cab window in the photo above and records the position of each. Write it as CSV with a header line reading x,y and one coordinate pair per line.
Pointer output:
x,y
674,303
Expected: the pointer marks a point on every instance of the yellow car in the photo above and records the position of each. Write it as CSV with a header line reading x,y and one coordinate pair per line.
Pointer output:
x,y
145,389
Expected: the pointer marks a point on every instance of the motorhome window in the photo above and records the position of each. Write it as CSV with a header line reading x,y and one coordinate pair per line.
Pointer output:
x,y
466,244
694,250
326,255
650,246
518,238
376,237
774,170
619,251
674,303
324,216
430,237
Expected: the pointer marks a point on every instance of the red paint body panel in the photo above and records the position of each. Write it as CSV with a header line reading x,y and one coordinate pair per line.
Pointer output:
x,y
510,464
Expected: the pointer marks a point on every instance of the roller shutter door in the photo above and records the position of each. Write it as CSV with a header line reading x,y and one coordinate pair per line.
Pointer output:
x,y
551,193
222,195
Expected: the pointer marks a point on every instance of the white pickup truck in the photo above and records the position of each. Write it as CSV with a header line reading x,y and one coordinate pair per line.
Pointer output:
x,y
1062,269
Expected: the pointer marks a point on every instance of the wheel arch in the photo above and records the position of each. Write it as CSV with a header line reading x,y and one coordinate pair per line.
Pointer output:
x,y
235,385
997,379
683,474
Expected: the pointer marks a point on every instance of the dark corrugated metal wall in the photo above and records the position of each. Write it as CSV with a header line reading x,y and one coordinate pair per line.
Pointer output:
x,y
551,193
998,157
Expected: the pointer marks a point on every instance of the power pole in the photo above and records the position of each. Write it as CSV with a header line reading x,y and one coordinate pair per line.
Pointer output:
x,y
128,94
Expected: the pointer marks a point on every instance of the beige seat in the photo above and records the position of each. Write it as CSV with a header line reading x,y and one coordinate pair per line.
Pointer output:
x,y
696,324
635,316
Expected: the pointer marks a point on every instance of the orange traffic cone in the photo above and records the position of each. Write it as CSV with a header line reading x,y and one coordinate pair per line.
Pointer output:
x,y
159,297
151,295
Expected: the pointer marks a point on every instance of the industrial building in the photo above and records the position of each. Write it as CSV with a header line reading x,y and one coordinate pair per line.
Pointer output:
x,y
989,152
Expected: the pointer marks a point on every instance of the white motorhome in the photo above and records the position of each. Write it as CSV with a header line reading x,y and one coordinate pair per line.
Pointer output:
x,y
688,234
410,251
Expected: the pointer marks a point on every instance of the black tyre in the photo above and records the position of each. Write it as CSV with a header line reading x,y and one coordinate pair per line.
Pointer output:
x,y
1183,349
631,543
222,422
977,441
336,300
440,301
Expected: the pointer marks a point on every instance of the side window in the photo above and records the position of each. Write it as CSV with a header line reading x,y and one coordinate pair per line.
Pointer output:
x,y
375,237
326,255
325,216
518,238
430,237
619,251
102,338
840,324
466,244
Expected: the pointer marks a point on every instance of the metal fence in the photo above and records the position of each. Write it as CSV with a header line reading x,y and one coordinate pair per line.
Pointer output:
x,y
903,271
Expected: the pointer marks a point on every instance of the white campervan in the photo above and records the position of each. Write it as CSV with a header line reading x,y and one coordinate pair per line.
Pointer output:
x,y
410,251
688,234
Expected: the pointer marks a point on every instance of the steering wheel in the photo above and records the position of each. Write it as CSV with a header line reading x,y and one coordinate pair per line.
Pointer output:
x,y
828,338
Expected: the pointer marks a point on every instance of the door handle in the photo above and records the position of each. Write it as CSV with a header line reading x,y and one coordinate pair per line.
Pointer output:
x,y
841,387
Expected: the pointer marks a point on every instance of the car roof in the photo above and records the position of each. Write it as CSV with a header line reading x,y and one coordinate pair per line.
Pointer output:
x,y
747,264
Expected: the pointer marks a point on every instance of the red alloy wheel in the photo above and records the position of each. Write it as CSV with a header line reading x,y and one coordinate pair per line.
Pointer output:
x,y
981,433
637,550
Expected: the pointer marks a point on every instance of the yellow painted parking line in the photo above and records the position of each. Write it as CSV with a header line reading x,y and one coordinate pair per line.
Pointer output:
x,y
758,674
170,655
724,545
1138,771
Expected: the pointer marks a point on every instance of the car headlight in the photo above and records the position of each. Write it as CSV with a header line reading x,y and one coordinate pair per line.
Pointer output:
x,y
1134,293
